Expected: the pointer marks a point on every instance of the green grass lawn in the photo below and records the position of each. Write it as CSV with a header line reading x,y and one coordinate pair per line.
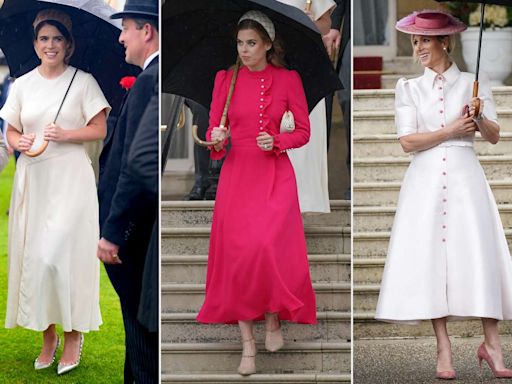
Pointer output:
x,y
103,353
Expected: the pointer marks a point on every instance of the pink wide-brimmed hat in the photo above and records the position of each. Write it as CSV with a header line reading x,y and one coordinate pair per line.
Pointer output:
x,y
430,22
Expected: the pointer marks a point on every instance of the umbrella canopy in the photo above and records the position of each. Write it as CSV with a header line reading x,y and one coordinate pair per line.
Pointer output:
x,y
97,49
199,39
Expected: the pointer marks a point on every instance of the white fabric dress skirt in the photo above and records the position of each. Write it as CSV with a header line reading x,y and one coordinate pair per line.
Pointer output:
x,y
448,255
310,165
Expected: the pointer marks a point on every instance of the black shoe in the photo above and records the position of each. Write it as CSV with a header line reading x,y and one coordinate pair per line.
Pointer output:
x,y
211,192
196,193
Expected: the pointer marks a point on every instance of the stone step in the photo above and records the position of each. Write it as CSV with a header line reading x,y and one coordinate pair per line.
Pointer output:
x,y
179,298
393,169
366,327
183,328
368,270
199,213
375,244
386,193
384,99
297,378
383,121
388,145
194,241
217,358
365,297
192,268
368,218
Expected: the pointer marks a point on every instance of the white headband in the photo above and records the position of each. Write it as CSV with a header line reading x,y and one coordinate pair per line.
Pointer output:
x,y
261,19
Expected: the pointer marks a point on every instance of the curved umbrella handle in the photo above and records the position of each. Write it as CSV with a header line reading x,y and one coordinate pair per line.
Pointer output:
x,y
39,150
200,142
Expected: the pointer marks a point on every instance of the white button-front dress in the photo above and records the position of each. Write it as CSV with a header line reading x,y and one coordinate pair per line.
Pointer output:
x,y
448,255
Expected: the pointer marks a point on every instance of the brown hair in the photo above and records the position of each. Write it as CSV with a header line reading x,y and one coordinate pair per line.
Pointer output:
x,y
65,33
275,55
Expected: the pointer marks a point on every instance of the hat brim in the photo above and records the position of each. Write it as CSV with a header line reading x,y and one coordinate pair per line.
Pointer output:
x,y
414,30
135,14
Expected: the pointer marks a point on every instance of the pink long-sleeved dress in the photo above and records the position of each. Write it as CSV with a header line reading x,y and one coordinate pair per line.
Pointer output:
x,y
257,260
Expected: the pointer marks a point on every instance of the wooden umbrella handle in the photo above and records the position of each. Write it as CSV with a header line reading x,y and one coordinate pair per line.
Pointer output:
x,y
39,150
198,141
477,103
308,5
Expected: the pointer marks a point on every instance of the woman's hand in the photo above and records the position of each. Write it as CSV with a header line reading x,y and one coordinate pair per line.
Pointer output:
x,y
472,106
219,135
463,126
265,141
25,142
52,132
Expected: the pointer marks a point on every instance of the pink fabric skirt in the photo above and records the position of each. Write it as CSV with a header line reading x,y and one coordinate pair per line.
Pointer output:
x,y
257,260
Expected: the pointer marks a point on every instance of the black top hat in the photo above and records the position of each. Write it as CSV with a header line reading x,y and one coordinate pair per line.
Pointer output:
x,y
143,9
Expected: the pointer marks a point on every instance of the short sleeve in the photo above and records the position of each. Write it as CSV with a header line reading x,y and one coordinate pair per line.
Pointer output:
x,y
93,100
485,93
319,7
11,111
405,109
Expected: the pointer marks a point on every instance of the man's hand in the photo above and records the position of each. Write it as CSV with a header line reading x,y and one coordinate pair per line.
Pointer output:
x,y
107,252
332,41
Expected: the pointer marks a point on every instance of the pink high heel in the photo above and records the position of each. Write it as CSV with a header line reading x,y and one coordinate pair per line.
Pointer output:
x,y
446,375
484,355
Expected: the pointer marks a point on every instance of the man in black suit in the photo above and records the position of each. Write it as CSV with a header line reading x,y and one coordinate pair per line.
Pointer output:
x,y
339,38
127,215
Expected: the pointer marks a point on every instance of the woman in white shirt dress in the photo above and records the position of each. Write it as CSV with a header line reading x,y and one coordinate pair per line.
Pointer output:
x,y
53,216
448,257
310,161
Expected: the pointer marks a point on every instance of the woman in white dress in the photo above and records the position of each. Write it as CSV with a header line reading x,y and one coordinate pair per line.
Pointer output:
x,y
310,161
53,223
448,257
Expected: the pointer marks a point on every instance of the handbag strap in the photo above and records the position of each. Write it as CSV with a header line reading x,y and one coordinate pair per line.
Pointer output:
x,y
65,95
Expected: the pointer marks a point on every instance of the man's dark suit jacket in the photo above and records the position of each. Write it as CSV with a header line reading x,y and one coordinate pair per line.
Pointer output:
x,y
127,216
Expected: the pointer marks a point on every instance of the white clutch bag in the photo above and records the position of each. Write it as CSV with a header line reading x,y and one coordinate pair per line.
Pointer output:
x,y
287,122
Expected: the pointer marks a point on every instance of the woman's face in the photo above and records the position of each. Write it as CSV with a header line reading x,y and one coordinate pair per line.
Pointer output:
x,y
252,49
51,47
429,50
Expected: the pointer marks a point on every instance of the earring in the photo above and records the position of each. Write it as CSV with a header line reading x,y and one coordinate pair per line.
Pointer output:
x,y
444,49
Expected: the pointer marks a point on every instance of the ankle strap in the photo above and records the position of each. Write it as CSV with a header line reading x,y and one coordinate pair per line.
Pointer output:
x,y
248,340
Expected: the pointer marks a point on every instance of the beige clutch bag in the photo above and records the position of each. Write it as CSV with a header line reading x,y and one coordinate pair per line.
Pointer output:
x,y
287,122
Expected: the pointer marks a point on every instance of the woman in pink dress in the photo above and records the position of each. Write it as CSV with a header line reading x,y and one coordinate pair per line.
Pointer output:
x,y
257,262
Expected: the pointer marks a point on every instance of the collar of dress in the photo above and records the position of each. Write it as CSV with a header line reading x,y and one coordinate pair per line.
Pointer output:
x,y
449,76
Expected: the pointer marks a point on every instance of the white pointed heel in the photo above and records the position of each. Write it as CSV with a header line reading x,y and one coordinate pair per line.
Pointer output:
x,y
38,365
65,368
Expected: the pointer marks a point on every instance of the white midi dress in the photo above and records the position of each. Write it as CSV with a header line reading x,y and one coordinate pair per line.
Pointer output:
x,y
310,161
448,255
53,216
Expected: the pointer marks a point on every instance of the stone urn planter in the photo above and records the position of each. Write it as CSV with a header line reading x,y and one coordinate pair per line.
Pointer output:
x,y
496,55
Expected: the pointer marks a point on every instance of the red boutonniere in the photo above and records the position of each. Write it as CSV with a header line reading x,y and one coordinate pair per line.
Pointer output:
x,y
127,82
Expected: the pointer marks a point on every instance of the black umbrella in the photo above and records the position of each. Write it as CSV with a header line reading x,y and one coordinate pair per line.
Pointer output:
x,y
97,49
199,40
482,13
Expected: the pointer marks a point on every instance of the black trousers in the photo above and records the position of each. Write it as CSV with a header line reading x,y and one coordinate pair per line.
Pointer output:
x,y
141,360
